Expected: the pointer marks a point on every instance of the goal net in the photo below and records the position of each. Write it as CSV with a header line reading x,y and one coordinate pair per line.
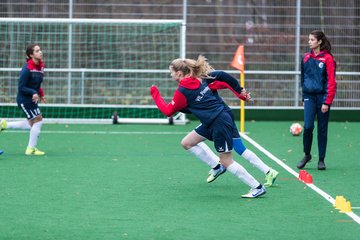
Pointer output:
x,y
94,67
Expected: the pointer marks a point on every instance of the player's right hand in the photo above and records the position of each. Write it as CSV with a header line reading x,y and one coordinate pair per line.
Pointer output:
x,y
153,89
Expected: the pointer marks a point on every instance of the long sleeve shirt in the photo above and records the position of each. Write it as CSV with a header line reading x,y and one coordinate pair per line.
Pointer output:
x,y
318,75
196,96
29,83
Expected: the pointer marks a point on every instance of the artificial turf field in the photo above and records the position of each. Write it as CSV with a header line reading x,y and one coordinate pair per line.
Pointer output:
x,y
136,182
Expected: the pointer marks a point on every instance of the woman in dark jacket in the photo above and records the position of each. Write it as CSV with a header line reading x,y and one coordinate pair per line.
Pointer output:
x,y
318,91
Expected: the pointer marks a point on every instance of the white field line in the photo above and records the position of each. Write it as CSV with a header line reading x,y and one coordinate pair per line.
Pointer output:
x,y
330,199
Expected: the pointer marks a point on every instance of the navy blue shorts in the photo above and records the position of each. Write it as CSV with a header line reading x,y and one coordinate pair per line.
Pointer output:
x,y
222,131
31,110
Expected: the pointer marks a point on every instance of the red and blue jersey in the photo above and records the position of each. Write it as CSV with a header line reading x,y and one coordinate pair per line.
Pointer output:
x,y
222,80
318,75
197,97
30,79
193,96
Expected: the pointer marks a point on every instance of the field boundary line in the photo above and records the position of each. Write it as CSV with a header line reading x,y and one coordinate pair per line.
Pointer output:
x,y
330,199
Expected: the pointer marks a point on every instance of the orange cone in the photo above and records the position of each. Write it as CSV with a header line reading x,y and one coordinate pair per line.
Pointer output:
x,y
302,175
308,179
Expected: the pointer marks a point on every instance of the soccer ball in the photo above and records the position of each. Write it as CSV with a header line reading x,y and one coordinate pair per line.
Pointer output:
x,y
295,129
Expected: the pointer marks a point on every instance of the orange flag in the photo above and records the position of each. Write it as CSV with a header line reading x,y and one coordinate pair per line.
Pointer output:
x,y
238,61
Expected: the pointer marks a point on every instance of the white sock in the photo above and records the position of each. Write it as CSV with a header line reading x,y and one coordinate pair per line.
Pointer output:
x,y
205,154
34,133
19,125
241,173
255,160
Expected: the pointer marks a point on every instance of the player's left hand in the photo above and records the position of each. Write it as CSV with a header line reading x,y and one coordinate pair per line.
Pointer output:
x,y
35,98
324,108
246,95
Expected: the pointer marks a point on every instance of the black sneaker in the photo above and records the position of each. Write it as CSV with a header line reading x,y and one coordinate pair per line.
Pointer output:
x,y
321,165
304,161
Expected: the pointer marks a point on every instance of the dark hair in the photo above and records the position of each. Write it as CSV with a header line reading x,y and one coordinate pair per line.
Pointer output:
x,y
325,43
30,50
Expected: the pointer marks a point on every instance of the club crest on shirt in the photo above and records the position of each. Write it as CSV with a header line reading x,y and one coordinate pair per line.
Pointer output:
x,y
321,65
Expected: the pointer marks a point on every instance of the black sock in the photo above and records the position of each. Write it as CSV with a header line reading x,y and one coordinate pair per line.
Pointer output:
x,y
321,159
259,187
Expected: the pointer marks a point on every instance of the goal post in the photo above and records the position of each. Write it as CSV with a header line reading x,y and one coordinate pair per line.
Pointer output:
x,y
94,67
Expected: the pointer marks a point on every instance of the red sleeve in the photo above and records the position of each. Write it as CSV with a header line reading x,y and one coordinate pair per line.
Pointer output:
x,y
41,92
178,102
216,85
331,84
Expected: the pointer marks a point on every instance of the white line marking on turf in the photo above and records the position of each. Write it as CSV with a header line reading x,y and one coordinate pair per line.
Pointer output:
x,y
355,217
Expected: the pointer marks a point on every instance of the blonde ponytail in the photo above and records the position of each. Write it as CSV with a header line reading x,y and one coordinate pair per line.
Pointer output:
x,y
199,68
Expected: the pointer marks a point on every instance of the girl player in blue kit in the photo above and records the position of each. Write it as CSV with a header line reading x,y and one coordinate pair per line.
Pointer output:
x,y
195,96
29,94
193,141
